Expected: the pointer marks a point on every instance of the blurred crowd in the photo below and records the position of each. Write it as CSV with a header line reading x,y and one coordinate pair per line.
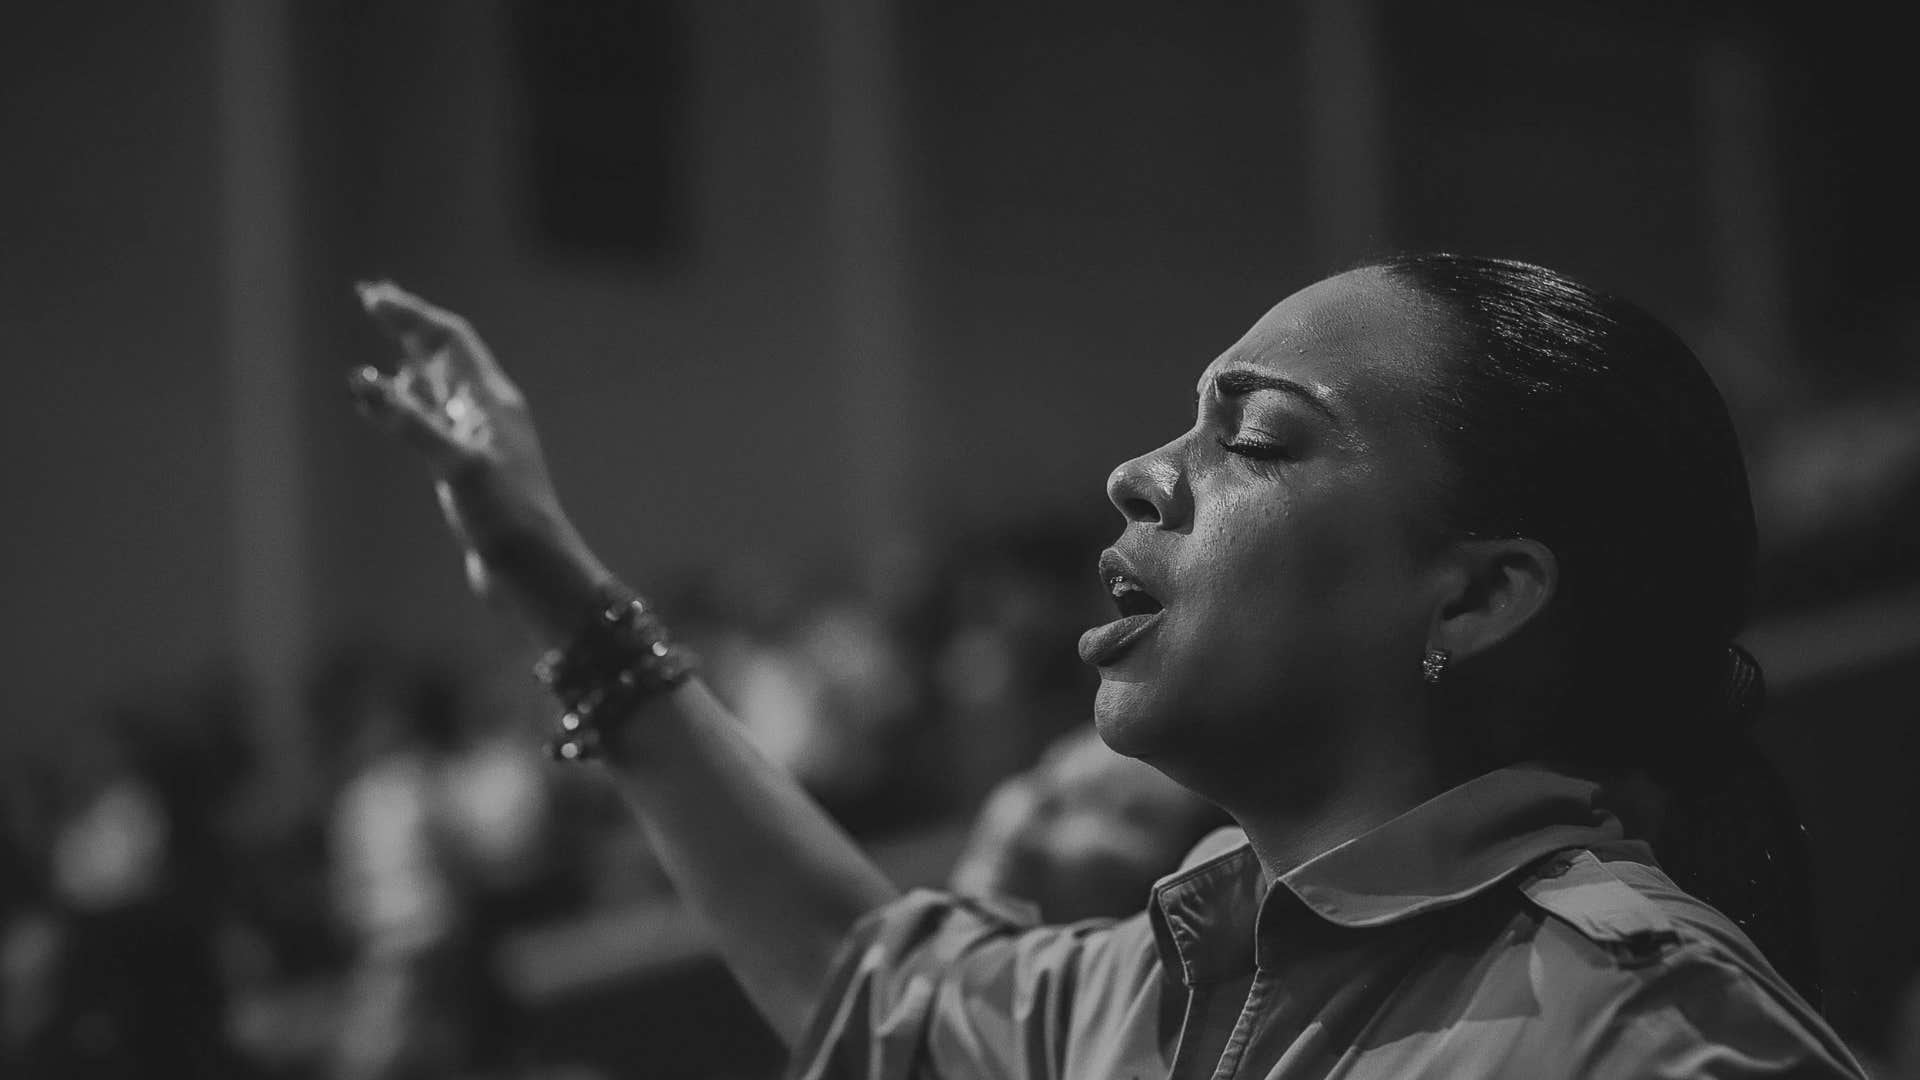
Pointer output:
x,y
168,908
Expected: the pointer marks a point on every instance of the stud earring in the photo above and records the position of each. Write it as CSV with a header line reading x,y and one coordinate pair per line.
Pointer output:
x,y
1434,664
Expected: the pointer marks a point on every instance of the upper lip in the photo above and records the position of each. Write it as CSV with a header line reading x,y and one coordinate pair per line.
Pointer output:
x,y
1125,584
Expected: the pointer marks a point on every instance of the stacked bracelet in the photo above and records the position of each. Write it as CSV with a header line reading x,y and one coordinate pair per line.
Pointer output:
x,y
620,658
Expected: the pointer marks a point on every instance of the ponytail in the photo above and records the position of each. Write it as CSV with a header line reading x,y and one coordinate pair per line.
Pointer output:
x,y
1732,836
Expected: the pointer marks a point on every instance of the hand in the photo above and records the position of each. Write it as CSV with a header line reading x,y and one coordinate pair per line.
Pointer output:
x,y
452,403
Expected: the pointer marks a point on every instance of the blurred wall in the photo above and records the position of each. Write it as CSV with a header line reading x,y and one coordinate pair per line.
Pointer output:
x,y
688,403
1107,204
1094,206
115,490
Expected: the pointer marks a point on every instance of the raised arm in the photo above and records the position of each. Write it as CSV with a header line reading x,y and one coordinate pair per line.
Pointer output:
x,y
777,881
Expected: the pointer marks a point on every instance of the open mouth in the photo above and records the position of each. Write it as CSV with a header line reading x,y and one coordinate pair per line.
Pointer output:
x,y
1129,597
1123,584
1139,612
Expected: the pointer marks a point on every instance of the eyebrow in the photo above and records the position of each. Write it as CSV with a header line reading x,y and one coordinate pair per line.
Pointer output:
x,y
1239,382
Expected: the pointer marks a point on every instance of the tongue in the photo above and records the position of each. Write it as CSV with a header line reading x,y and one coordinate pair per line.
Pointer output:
x,y
1104,644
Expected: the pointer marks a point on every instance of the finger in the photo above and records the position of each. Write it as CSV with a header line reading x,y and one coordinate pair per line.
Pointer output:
x,y
429,334
420,327
478,579
389,406
436,373
423,385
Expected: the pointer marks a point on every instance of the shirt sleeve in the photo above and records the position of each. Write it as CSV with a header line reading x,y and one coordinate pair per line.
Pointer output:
x,y
1705,1017
938,985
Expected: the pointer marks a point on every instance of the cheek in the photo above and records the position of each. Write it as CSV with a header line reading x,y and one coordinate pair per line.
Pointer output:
x,y
1260,556
1303,573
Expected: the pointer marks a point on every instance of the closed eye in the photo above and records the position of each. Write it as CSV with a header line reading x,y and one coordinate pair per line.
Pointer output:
x,y
1249,448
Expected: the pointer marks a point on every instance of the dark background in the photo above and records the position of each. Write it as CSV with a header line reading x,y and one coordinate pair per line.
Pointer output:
x,y
792,284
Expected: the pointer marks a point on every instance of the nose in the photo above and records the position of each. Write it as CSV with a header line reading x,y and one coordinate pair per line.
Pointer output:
x,y
1152,488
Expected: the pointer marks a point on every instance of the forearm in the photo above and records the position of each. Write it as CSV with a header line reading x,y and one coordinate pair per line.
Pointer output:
x,y
775,879
778,882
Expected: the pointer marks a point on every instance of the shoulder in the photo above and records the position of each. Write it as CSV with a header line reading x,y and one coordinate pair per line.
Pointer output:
x,y
1653,975
1634,916
1592,898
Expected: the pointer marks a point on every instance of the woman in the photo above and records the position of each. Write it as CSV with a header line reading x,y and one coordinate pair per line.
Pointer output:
x,y
1437,589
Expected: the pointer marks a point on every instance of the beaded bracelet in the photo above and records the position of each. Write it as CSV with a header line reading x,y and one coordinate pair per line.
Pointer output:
x,y
620,658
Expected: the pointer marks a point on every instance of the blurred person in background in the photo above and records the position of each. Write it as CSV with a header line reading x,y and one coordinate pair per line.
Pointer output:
x,y
116,970
839,688
1008,682
29,926
1436,598
434,836
1083,834
1837,475
826,690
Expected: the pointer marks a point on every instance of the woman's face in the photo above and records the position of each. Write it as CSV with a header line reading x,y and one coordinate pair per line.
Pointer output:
x,y
1283,597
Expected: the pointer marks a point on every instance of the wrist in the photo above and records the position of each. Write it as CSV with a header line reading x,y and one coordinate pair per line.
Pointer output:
x,y
651,738
548,574
620,659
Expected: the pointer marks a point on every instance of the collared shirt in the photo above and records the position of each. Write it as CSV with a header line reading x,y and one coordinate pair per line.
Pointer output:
x,y
1502,929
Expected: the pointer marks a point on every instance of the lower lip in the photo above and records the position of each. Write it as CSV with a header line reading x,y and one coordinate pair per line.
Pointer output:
x,y
1103,645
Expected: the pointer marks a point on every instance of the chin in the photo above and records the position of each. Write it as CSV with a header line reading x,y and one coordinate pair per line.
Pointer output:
x,y
1131,722
1209,751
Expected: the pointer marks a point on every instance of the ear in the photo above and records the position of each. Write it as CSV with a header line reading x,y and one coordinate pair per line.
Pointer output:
x,y
1492,589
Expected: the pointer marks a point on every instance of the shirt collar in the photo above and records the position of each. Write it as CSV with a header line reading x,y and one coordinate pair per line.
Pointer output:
x,y
1445,850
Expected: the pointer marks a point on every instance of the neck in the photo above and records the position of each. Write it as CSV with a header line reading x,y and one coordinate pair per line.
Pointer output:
x,y
1318,816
